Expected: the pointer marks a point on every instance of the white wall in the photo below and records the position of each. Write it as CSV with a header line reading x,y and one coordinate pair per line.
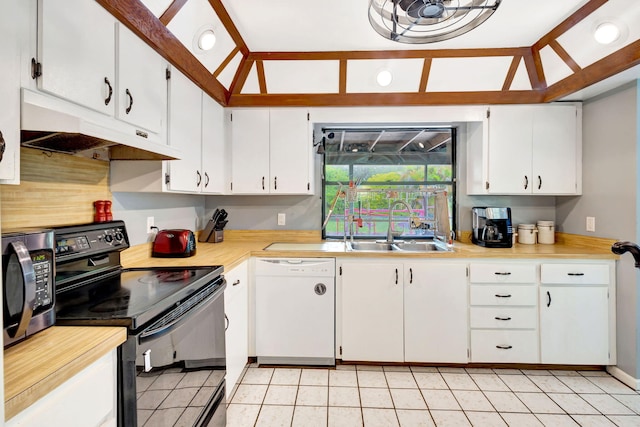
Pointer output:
x,y
610,194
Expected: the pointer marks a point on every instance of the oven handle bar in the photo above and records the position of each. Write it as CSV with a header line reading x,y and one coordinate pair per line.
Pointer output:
x,y
192,306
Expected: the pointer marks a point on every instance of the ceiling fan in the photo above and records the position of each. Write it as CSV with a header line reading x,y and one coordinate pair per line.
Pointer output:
x,y
428,21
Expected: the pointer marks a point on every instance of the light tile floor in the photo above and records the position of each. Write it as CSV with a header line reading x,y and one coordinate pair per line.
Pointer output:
x,y
371,396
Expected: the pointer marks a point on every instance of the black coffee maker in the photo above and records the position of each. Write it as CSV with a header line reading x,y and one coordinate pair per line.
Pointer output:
x,y
491,227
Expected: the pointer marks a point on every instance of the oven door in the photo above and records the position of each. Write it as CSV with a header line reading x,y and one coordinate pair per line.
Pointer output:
x,y
193,333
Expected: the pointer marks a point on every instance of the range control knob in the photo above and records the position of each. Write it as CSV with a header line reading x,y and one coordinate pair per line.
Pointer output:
x,y
119,236
108,238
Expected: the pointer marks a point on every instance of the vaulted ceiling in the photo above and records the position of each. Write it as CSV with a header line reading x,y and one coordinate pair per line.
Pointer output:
x,y
325,53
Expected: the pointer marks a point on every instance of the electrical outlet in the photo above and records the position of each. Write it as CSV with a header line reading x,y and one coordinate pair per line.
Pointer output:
x,y
150,223
591,223
282,219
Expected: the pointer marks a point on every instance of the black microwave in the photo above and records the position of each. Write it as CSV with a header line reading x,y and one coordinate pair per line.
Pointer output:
x,y
28,277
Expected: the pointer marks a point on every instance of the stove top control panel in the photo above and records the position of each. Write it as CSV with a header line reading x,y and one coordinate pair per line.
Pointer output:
x,y
89,239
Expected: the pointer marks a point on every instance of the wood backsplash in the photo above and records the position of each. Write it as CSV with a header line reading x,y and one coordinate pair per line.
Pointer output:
x,y
55,189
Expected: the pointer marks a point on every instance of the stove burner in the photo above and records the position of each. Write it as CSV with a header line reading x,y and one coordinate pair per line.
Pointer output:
x,y
111,305
165,276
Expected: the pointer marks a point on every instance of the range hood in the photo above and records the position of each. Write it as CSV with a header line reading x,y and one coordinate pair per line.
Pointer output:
x,y
54,124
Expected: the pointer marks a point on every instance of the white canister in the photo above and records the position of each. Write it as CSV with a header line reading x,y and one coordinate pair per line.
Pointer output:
x,y
527,234
546,232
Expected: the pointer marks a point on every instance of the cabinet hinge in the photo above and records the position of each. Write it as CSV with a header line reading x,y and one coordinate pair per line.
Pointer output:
x,y
308,186
341,270
488,113
231,117
308,116
486,185
467,271
167,74
468,354
231,186
36,69
340,350
167,178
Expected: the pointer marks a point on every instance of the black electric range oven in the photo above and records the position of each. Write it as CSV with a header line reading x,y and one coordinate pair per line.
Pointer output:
x,y
174,318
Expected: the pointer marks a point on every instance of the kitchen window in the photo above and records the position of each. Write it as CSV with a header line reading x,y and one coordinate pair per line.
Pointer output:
x,y
369,169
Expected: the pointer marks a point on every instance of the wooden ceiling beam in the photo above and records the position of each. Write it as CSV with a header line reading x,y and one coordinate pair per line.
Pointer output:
x,y
172,11
387,99
623,59
387,54
231,28
135,16
568,23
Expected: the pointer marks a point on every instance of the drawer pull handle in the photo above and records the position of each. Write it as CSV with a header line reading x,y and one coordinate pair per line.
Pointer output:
x,y
504,347
575,274
236,283
503,273
502,318
503,296
548,299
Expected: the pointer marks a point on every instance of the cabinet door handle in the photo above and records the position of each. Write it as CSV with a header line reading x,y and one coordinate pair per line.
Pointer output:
x,y
128,92
504,347
502,318
263,182
526,182
227,321
108,98
275,183
396,276
206,180
199,179
3,146
539,182
411,275
236,283
575,274
502,273
548,299
503,296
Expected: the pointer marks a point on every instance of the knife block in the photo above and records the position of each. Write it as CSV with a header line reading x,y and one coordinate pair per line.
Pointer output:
x,y
217,236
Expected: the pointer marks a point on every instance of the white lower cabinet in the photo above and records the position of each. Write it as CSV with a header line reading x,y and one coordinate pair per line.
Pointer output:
x,y
372,311
503,314
435,312
237,333
87,399
576,314
405,311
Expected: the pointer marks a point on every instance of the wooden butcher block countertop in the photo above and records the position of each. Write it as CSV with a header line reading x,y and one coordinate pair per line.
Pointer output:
x,y
42,362
239,245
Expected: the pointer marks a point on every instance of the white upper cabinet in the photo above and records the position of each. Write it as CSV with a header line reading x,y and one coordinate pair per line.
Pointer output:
x,y
250,151
141,82
527,149
85,56
289,151
185,131
77,53
270,151
213,147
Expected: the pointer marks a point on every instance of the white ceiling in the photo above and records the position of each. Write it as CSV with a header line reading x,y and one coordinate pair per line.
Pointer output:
x,y
335,25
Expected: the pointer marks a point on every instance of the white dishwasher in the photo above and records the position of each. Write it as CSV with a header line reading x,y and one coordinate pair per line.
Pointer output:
x,y
295,311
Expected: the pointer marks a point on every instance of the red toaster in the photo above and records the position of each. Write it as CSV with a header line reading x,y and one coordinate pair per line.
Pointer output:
x,y
174,244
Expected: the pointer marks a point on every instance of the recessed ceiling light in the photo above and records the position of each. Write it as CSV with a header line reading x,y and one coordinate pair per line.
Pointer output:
x,y
384,78
207,39
607,33
420,144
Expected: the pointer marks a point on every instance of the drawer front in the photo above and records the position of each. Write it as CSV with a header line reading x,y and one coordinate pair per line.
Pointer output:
x,y
504,346
504,317
578,274
503,295
502,273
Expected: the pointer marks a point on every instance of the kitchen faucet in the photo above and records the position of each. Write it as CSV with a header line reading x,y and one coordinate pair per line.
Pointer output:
x,y
390,227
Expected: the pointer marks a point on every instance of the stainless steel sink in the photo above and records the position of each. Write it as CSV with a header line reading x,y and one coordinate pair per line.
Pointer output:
x,y
369,246
397,246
